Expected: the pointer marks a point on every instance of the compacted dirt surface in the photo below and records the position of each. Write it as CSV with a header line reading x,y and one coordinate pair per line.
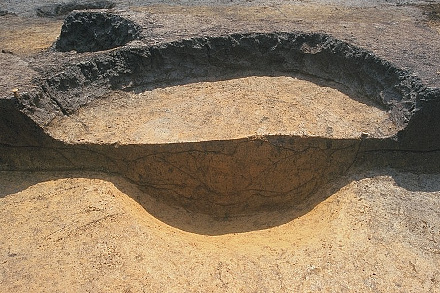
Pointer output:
x,y
81,232
223,110
372,227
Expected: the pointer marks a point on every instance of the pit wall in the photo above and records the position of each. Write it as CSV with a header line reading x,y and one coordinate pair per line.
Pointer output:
x,y
213,58
219,178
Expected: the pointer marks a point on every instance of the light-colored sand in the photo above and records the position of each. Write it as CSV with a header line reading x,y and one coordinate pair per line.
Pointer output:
x,y
26,36
84,232
226,109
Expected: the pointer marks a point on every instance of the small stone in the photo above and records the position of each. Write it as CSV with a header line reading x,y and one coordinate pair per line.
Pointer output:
x,y
15,91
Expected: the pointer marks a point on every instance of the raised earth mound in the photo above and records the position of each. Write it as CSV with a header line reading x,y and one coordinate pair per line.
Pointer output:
x,y
270,161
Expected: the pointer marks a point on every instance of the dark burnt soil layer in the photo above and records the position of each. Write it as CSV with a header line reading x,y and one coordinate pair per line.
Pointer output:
x,y
89,31
225,177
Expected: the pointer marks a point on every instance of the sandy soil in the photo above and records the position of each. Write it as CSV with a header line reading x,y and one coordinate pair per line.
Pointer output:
x,y
373,231
26,36
227,109
91,232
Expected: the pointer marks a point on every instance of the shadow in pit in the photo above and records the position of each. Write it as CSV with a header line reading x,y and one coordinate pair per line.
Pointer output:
x,y
16,181
205,224
211,187
224,178
408,170
412,171
424,165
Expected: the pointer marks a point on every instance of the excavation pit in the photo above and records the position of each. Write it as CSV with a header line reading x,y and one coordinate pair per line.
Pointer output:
x,y
231,147
226,126
253,201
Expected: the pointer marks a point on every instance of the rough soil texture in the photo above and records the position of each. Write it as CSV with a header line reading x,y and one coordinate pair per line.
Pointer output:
x,y
59,9
114,31
226,162
82,232
26,36
229,109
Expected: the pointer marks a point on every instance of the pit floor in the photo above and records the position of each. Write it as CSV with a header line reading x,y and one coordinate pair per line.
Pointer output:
x,y
227,109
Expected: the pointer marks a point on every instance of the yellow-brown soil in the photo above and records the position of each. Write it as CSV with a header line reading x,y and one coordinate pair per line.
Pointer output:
x,y
26,36
229,109
89,232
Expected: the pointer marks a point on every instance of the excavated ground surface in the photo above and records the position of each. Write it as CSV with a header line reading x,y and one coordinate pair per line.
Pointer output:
x,y
81,232
372,229
223,110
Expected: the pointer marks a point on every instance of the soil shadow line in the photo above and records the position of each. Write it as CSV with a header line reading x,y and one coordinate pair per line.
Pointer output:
x,y
174,216
388,162
203,224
